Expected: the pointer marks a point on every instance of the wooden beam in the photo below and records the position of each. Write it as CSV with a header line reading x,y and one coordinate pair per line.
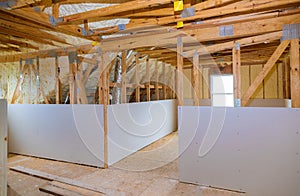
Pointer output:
x,y
237,7
124,77
249,41
266,69
295,73
115,9
137,78
5,39
195,79
23,35
42,19
18,4
30,30
165,36
236,69
179,71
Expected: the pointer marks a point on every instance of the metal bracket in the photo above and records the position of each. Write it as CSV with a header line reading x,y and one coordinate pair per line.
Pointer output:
x,y
122,27
8,4
29,62
290,31
188,12
226,30
72,57
237,102
37,9
54,20
237,46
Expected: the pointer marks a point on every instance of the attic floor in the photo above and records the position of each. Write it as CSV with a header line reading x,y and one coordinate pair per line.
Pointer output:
x,y
119,179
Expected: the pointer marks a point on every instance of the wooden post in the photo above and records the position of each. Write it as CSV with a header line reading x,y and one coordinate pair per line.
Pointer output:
x,y
156,81
164,81
72,86
195,81
57,79
148,80
38,83
30,83
124,71
105,107
295,73
3,147
236,69
179,84
266,69
137,78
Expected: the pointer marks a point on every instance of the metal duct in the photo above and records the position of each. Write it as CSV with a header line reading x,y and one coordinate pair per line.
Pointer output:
x,y
116,92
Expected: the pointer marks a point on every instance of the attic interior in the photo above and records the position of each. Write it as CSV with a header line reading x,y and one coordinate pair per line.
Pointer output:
x,y
149,97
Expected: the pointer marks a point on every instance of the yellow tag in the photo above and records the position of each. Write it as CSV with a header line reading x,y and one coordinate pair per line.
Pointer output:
x,y
178,5
94,43
179,24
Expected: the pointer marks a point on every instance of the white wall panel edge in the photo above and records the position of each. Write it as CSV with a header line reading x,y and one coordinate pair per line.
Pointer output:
x,y
3,147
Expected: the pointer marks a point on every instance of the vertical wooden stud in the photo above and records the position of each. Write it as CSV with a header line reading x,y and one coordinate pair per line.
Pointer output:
x,y
38,82
124,71
156,81
236,69
195,79
148,93
57,81
179,76
164,81
295,73
137,78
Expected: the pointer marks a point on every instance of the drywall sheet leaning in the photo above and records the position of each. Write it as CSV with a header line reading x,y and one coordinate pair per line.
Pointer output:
x,y
3,147
72,133
254,150
136,125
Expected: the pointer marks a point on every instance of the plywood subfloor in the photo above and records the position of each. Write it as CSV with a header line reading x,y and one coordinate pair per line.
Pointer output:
x,y
153,170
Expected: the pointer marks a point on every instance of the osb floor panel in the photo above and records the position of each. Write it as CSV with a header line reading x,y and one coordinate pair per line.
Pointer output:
x,y
151,171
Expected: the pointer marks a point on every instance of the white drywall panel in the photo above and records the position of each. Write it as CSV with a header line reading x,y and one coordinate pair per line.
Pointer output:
x,y
3,147
72,133
256,150
252,102
136,125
